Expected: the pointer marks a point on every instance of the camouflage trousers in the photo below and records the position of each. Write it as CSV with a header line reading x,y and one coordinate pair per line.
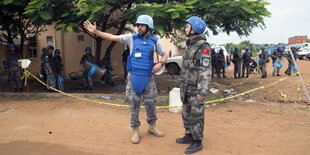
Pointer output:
x,y
237,69
15,78
289,69
193,117
263,69
50,79
246,68
88,81
148,96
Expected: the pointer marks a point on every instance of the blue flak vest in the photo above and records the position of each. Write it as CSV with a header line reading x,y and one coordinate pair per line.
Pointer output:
x,y
143,65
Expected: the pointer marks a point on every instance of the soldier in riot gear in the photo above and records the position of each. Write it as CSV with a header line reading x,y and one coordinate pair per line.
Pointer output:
x,y
87,57
15,71
49,67
246,62
58,66
237,60
220,67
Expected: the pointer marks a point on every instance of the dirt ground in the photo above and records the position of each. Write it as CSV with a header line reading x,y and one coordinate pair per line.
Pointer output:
x,y
272,124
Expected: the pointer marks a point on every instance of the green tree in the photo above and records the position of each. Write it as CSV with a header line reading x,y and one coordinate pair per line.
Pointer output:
x,y
14,24
169,16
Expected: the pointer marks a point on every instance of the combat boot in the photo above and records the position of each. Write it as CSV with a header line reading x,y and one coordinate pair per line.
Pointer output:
x,y
153,130
187,139
194,147
135,138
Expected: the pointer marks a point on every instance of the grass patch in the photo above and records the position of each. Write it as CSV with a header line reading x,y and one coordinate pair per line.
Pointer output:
x,y
303,108
35,96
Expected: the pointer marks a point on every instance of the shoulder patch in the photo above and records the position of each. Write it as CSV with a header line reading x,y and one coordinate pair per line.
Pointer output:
x,y
206,53
205,62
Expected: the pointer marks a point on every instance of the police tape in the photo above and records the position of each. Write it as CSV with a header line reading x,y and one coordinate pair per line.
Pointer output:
x,y
237,84
27,74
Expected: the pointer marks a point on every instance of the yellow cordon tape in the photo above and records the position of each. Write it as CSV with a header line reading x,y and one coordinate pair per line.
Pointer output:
x,y
27,74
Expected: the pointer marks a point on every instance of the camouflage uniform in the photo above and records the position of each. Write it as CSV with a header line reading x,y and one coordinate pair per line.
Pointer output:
x,y
149,95
88,80
49,69
263,60
246,64
220,64
196,76
237,60
15,72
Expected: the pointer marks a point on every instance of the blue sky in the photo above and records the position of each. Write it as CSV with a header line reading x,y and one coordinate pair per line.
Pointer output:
x,y
289,18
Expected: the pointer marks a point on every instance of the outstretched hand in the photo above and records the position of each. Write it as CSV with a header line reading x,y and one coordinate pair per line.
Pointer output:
x,y
90,27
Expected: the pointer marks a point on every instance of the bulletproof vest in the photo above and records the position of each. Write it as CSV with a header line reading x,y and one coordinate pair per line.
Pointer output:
x,y
140,61
247,56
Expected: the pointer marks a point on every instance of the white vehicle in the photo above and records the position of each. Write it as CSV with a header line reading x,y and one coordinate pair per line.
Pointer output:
x,y
173,64
303,50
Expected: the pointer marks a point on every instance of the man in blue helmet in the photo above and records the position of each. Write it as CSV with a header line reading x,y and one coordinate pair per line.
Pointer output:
x,y
291,66
220,68
87,57
237,60
15,71
58,65
49,67
246,62
195,79
263,60
140,67
278,54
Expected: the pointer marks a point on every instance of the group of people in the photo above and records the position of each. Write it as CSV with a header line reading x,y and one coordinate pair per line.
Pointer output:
x,y
277,55
218,63
52,68
244,64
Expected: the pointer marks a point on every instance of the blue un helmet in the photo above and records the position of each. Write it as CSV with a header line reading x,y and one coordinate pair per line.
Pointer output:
x,y
262,48
213,50
236,48
198,25
145,19
57,51
50,47
88,49
247,49
281,48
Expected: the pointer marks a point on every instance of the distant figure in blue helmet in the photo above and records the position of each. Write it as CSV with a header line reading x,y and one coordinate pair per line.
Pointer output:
x,y
87,57
15,71
140,67
246,62
278,54
48,65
